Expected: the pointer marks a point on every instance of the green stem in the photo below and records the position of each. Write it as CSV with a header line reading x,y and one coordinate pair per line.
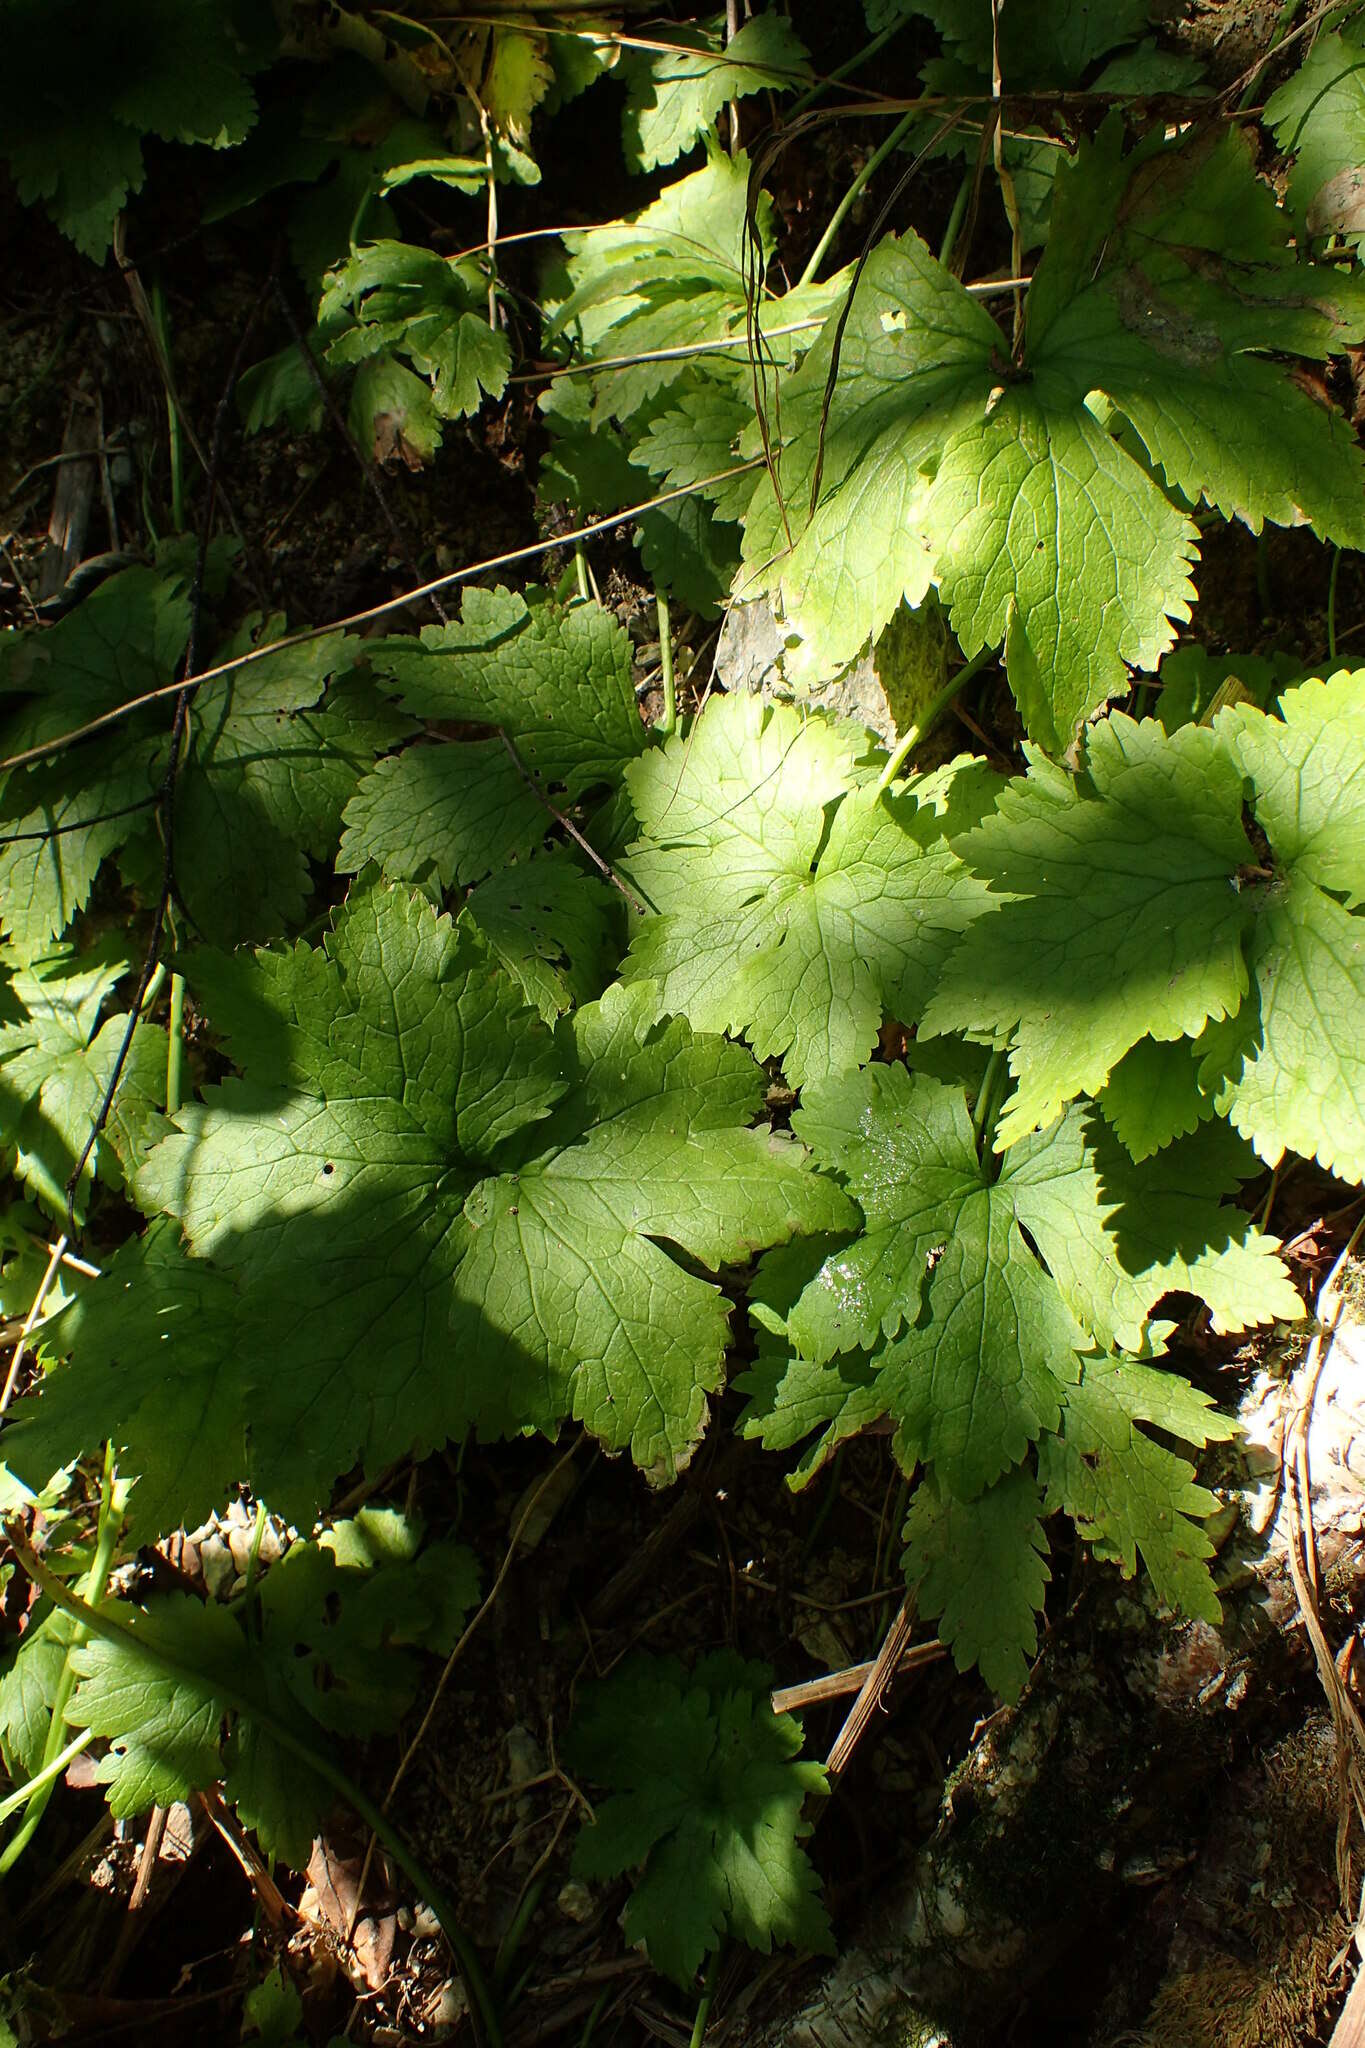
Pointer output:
x,y
851,197
955,220
844,70
512,1940
594,2016
175,1045
1332,605
708,1992
668,724
158,304
987,1100
1263,1220
580,562
106,1538
114,1631
23,1793
826,1507
924,725
153,988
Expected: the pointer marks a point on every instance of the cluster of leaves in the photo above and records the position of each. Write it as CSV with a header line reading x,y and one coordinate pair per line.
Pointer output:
x,y
1048,521
441,1126
85,92
500,1110
707,1794
252,1694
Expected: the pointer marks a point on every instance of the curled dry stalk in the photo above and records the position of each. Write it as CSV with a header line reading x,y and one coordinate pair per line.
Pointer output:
x,y
1347,1722
760,356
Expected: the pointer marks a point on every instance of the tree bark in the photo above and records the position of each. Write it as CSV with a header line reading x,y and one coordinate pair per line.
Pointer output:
x,y
1067,1886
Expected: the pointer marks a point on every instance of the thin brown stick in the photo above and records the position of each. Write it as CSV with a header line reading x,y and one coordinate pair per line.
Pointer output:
x,y
790,1699
604,867
151,1849
883,1669
405,1761
273,1903
308,634
36,1307
133,1922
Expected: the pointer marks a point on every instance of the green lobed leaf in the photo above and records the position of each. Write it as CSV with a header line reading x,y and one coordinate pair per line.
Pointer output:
x,y
552,926
788,910
941,460
973,1298
1153,1095
1041,42
1117,1235
324,1656
675,94
667,278
387,1161
1119,914
707,1794
28,1693
1289,1069
450,813
108,78
566,1256
556,678
155,1362
1307,771
273,751
406,300
697,438
61,818
1128,1494
163,1720
979,1570
55,1067
1318,117
980,1338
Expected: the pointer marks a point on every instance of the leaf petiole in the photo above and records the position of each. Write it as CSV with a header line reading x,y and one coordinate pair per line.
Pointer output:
x,y
988,1100
925,724
175,1045
40,1788
708,1992
854,192
668,724
21,1795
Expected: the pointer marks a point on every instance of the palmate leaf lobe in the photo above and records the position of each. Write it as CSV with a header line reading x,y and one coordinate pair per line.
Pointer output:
x,y
1167,274
707,1792
791,907
411,1149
